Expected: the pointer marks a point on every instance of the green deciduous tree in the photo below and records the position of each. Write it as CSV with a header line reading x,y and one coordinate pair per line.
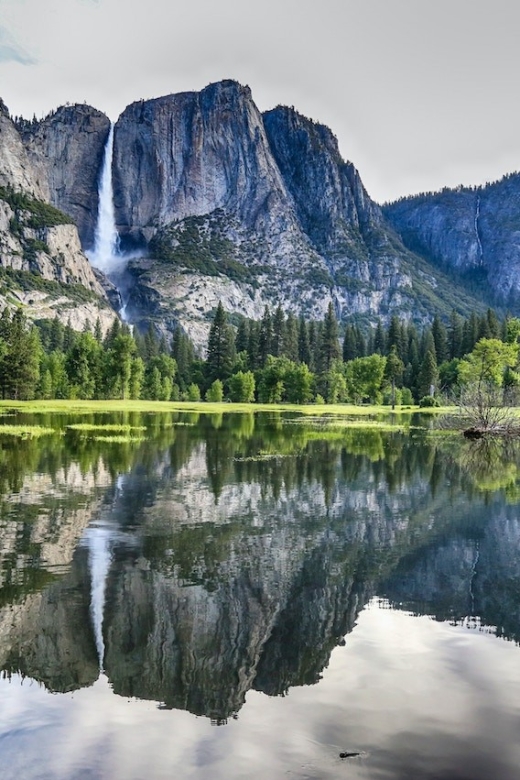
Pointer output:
x,y
242,387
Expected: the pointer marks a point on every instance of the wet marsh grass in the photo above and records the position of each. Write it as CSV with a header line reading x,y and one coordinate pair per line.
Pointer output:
x,y
26,431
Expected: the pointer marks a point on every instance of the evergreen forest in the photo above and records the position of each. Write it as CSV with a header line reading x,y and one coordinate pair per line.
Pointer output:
x,y
279,359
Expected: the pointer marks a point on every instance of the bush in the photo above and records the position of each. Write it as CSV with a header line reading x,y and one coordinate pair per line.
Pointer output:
x,y
406,396
428,402
319,400
193,392
215,394
242,387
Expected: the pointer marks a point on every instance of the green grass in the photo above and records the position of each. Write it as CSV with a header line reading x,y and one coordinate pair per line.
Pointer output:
x,y
316,410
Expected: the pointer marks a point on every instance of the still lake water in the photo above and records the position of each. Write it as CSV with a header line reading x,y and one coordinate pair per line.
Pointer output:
x,y
249,596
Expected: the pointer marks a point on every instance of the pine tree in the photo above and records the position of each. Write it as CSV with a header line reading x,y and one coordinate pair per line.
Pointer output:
x,y
440,339
455,336
183,353
20,363
329,343
395,337
291,338
151,344
252,345
360,342
304,353
394,370
493,324
265,337
428,375
242,337
277,344
379,339
470,333
350,347
221,347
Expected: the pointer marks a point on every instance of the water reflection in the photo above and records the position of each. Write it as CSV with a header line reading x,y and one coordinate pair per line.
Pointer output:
x,y
223,556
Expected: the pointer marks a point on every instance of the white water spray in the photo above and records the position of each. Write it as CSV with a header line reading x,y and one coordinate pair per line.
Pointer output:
x,y
99,558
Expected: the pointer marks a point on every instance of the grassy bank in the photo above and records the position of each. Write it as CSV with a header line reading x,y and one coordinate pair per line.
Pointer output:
x,y
88,407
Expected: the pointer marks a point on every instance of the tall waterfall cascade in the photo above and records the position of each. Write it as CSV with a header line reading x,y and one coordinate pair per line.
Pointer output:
x,y
106,255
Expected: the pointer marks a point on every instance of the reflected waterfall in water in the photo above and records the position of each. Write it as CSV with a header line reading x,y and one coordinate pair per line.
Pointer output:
x,y
99,543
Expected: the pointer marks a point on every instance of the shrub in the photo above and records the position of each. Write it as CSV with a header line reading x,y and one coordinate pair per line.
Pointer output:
x,y
193,392
215,394
428,402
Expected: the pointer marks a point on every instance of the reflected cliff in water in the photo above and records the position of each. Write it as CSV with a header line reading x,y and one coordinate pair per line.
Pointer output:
x,y
235,552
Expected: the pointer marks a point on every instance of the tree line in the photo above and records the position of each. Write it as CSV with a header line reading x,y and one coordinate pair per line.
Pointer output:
x,y
276,359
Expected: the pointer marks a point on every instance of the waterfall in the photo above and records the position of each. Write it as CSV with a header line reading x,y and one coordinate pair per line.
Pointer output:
x,y
99,557
105,254
477,216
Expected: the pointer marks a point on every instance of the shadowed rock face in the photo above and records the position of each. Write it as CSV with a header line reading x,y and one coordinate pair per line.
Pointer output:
x,y
333,207
66,150
473,232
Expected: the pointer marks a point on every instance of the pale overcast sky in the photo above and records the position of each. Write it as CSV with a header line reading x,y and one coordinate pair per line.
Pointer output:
x,y
421,93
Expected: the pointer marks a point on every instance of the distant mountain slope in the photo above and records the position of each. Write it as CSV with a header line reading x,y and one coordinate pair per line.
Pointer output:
x,y
473,232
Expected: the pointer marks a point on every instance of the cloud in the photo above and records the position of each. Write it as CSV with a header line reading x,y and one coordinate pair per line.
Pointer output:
x,y
11,51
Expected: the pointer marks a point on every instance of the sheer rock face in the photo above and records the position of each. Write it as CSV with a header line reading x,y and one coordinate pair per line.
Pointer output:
x,y
474,232
228,204
189,154
330,199
66,150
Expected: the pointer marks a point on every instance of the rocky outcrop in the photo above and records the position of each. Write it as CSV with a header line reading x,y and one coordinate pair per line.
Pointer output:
x,y
66,151
43,267
475,233
333,208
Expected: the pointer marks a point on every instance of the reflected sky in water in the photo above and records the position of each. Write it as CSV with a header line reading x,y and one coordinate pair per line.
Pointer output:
x,y
262,593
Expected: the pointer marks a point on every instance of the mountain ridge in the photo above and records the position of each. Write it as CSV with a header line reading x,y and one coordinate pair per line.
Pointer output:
x,y
227,203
